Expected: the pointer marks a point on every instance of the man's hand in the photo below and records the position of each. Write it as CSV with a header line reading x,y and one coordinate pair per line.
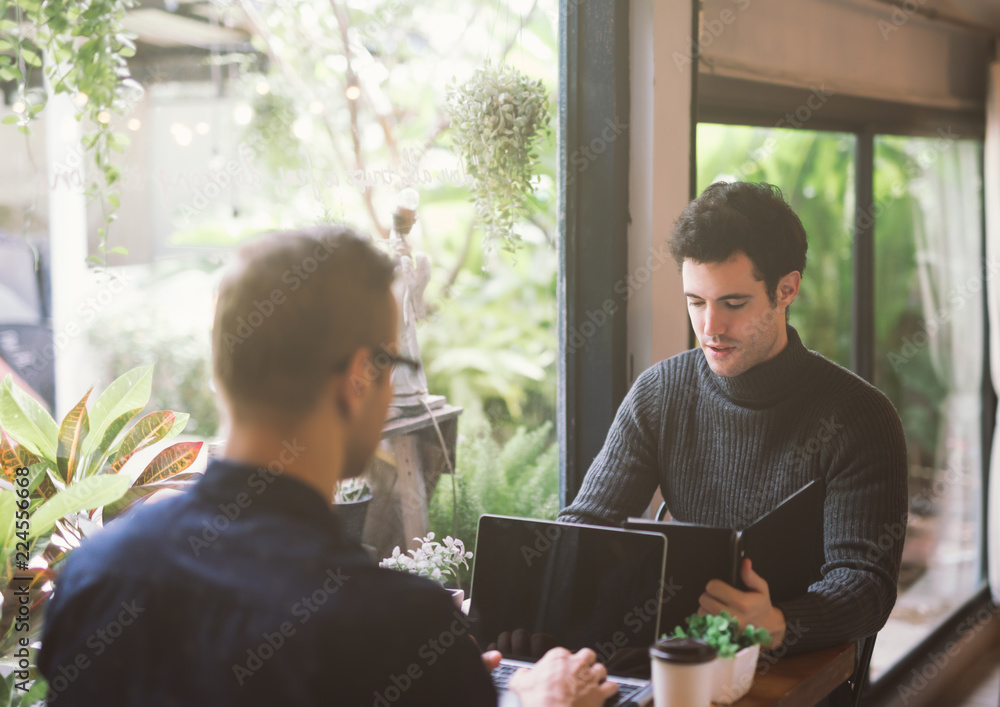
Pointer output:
x,y
562,679
749,607
491,659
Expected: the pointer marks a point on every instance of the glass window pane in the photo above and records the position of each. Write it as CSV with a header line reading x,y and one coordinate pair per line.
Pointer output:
x,y
815,172
325,117
929,361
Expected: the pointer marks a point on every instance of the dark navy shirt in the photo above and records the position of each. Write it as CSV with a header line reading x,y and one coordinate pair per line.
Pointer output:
x,y
245,591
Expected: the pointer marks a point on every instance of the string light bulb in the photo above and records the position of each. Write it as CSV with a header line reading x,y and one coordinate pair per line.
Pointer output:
x,y
243,114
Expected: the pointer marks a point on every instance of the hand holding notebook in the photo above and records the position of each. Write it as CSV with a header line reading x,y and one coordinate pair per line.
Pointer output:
x,y
785,545
752,607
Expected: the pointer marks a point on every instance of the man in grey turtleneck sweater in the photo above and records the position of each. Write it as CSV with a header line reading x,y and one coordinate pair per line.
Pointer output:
x,y
730,430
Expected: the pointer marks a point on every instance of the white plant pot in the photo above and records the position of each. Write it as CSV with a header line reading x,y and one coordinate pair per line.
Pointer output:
x,y
458,596
734,676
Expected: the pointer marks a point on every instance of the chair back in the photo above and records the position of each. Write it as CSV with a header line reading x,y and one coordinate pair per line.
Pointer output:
x,y
859,680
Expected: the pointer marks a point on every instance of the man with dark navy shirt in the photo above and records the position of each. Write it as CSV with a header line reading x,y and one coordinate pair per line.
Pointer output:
x,y
245,590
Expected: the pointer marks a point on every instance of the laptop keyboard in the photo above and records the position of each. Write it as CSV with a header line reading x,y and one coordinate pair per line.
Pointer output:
x,y
503,673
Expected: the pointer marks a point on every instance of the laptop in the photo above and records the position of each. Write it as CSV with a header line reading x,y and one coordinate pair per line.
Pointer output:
x,y
538,584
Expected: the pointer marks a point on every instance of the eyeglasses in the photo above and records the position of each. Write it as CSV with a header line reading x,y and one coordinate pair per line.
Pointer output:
x,y
384,360
387,360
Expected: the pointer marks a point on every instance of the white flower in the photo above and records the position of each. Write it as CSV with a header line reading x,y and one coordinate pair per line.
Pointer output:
x,y
439,561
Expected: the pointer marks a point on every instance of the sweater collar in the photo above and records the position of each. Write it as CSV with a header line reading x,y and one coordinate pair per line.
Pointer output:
x,y
766,382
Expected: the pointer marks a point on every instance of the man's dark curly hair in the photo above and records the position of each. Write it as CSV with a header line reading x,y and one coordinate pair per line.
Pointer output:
x,y
755,219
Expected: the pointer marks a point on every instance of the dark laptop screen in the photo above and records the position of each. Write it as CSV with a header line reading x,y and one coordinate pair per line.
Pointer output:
x,y
538,584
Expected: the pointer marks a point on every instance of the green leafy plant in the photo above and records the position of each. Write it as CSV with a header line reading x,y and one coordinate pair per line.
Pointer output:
x,y
82,47
722,632
351,490
498,118
60,482
491,346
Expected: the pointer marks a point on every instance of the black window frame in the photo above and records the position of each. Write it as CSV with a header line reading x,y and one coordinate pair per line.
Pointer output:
x,y
594,73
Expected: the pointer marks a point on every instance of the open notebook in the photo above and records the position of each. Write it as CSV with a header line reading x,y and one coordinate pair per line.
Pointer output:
x,y
784,545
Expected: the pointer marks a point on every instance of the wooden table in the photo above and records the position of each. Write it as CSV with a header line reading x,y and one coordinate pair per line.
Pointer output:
x,y
799,680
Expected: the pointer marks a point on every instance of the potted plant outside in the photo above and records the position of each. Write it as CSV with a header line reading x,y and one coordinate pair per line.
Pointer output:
x,y
351,498
434,560
737,649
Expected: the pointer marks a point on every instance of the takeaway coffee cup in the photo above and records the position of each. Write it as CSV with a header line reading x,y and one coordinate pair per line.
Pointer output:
x,y
682,670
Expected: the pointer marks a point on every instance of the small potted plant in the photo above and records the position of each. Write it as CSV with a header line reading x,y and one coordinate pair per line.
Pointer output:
x,y
434,560
737,649
352,497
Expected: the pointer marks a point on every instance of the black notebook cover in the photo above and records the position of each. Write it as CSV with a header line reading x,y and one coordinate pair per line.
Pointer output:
x,y
785,546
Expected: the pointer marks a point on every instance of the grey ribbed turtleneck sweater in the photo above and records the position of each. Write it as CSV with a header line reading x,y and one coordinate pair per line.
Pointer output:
x,y
724,451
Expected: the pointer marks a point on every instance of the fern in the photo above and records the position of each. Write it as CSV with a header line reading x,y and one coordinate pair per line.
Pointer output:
x,y
519,479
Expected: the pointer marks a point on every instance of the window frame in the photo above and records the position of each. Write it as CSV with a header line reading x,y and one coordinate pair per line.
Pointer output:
x,y
594,87
747,107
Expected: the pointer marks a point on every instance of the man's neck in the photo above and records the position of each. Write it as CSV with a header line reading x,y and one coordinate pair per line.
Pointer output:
x,y
295,452
780,344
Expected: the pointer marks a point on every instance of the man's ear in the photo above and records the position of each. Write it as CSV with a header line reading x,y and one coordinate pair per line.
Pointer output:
x,y
354,384
788,288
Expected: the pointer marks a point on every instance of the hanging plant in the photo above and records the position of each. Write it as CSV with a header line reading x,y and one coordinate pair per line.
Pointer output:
x,y
498,118
82,47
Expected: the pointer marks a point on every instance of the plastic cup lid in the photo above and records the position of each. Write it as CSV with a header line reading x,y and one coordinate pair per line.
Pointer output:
x,y
682,650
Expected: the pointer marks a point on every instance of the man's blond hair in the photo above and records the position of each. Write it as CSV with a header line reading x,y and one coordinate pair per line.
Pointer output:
x,y
293,307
